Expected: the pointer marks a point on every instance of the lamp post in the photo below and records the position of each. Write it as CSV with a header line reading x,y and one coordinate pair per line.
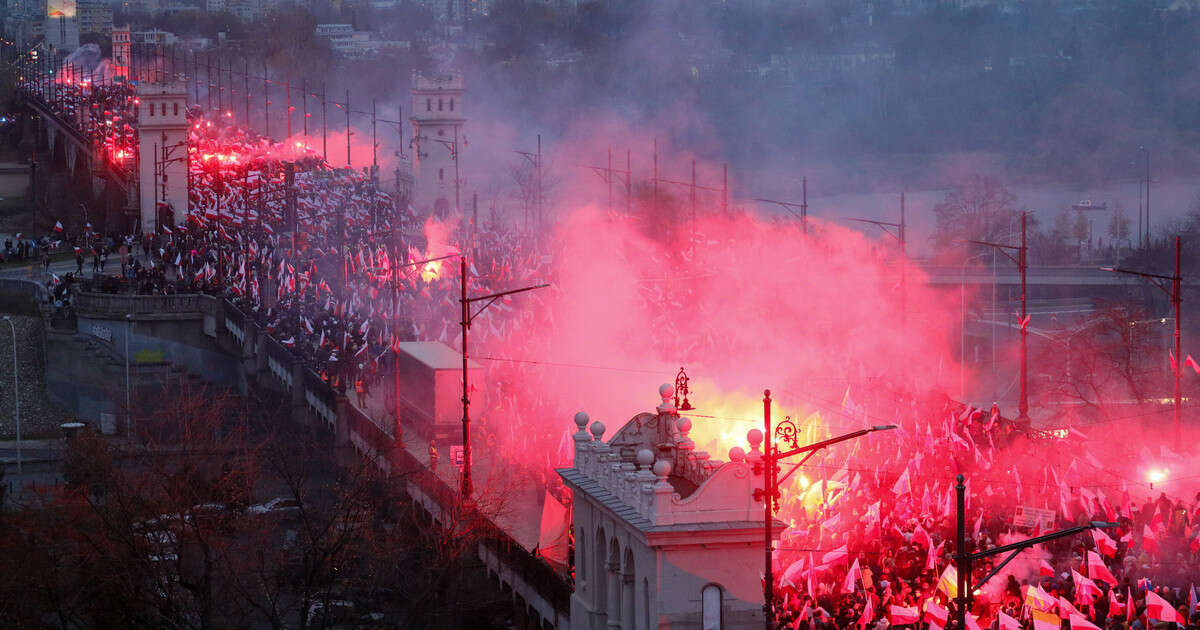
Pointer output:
x,y
16,390
1173,292
1022,266
768,467
963,560
467,318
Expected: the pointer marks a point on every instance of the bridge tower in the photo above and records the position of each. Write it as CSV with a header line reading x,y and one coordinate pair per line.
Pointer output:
x,y
162,152
122,44
437,120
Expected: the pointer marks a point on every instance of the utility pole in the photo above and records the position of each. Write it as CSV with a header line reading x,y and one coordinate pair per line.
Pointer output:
x,y
347,128
287,102
324,127
1020,259
963,560
465,321
1174,292
1147,152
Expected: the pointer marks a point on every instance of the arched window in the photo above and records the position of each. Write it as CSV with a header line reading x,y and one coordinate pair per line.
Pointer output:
x,y
175,107
711,597
451,104
164,109
428,104
152,109
439,104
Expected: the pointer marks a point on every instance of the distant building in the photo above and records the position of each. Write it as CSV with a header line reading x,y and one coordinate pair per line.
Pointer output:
x,y
334,30
438,117
95,17
153,37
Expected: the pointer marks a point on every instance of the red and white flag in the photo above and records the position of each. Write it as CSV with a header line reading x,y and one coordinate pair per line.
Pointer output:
x,y
868,614
1007,623
1104,544
902,485
58,226
1115,607
1149,540
836,556
850,584
1097,570
1159,609
1086,590
935,614
1045,570
904,615
1079,622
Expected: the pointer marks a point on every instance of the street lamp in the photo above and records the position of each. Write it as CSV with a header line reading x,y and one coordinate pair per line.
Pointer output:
x,y
1022,265
768,467
963,560
467,318
16,390
1174,293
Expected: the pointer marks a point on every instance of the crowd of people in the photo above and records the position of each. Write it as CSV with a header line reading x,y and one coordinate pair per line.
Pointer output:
x,y
873,545
332,268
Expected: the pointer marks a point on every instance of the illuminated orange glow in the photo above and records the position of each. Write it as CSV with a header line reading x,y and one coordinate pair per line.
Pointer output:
x,y
431,271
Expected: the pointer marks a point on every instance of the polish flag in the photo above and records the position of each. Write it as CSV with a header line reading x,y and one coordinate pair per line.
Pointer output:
x,y
1159,609
1149,540
972,622
868,614
851,583
1007,623
935,614
1079,622
58,226
1086,590
1045,570
1115,607
836,556
1065,609
1130,607
1097,571
904,615
1104,544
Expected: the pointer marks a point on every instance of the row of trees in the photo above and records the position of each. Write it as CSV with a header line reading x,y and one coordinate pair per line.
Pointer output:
x,y
984,209
164,535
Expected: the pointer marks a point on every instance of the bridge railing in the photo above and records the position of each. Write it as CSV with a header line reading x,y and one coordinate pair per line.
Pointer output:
x,y
117,305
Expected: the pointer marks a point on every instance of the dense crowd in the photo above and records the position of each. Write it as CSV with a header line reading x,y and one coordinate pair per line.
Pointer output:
x,y
872,545
328,271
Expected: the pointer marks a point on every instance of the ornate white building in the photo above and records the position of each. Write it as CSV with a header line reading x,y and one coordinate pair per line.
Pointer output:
x,y
665,536
438,140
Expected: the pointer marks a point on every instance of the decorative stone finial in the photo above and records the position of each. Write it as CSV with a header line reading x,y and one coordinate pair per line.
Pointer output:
x,y
737,454
662,469
684,424
667,391
754,437
581,420
597,430
645,457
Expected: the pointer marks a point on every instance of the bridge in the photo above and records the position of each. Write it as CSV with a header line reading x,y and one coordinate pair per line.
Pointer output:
x,y
212,338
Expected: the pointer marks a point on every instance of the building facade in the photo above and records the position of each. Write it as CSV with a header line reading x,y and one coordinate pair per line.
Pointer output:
x,y
665,536
438,118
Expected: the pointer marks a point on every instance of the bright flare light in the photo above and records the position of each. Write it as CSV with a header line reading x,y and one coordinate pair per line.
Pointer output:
x,y
431,271
1157,475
